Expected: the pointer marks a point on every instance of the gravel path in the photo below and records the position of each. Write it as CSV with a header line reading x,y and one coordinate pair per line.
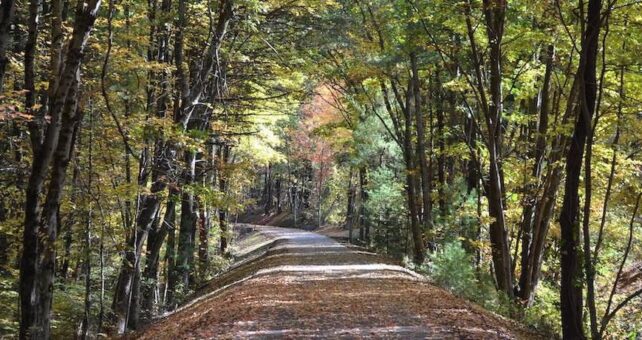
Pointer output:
x,y
309,286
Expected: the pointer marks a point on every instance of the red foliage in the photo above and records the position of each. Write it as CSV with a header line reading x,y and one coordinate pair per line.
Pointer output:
x,y
307,144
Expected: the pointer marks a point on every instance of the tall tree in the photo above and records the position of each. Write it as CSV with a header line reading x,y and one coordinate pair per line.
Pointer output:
x,y
572,279
425,164
52,155
529,233
492,109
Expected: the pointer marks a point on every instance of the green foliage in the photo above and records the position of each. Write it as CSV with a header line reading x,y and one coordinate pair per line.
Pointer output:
x,y
386,195
544,313
332,207
68,307
452,268
387,210
9,305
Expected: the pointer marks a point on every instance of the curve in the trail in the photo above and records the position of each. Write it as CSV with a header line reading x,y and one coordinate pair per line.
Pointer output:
x,y
300,284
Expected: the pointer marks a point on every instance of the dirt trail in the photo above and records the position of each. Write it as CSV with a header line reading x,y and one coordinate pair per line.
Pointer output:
x,y
309,286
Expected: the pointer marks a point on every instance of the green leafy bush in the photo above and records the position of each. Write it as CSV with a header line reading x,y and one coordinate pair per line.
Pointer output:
x,y
544,313
451,267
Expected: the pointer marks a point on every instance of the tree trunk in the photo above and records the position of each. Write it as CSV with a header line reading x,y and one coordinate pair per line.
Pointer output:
x,y
545,205
162,163
170,260
30,55
472,170
224,155
84,329
267,193
441,145
187,233
68,240
68,229
154,244
279,208
424,164
350,207
38,255
536,174
133,316
571,282
494,13
149,208
411,180
543,214
204,242
364,221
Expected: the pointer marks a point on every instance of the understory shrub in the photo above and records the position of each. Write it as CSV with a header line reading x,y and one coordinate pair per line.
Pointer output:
x,y
451,267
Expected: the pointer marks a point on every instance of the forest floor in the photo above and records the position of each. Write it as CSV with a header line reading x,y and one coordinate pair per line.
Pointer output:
x,y
297,284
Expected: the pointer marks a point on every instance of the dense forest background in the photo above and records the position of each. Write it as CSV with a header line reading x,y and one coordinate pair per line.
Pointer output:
x,y
493,145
